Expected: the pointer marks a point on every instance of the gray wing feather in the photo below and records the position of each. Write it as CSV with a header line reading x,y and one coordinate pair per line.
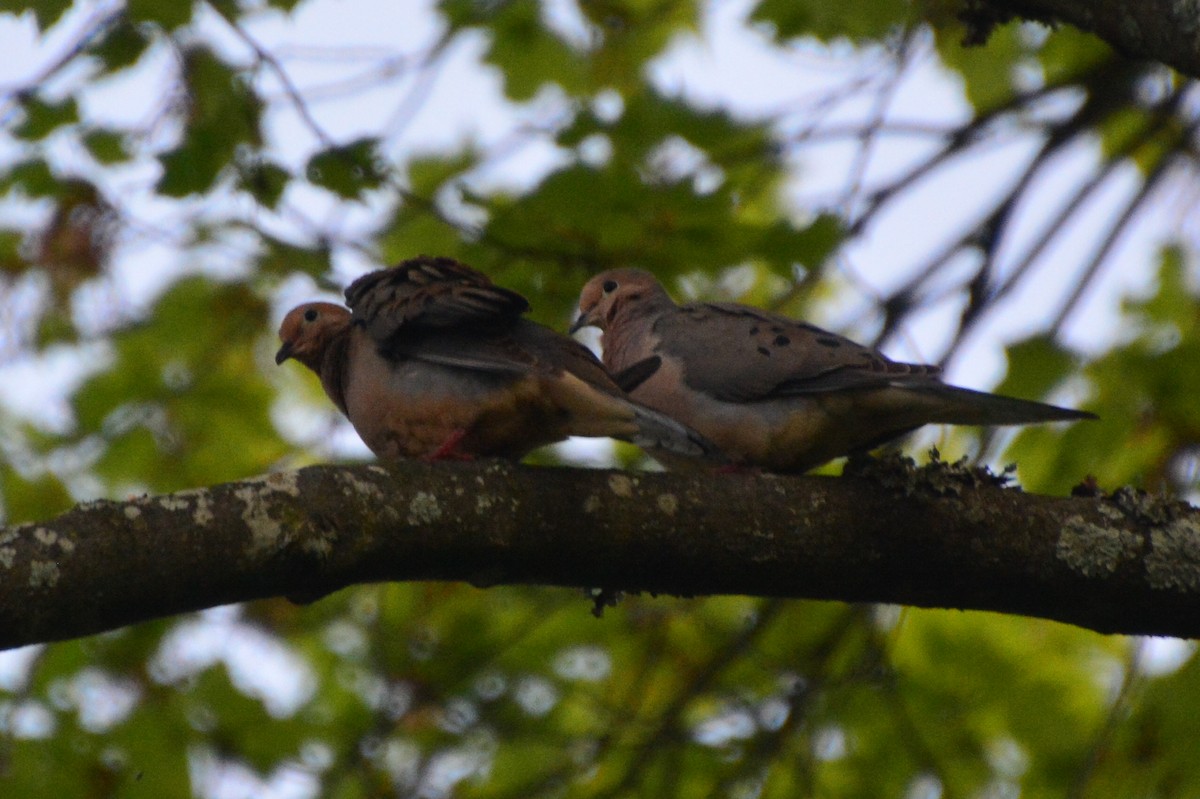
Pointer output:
x,y
741,354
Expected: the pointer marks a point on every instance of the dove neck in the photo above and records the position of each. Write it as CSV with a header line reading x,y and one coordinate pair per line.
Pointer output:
x,y
332,368
628,330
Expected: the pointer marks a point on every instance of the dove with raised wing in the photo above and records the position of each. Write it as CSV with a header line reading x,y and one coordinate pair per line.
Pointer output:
x,y
770,391
434,360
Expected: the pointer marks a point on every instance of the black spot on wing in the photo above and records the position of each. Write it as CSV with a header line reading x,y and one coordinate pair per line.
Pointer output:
x,y
782,341
764,351
830,341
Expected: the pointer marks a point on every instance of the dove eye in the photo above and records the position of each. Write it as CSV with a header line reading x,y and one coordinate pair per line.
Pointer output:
x,y
609,286
310,315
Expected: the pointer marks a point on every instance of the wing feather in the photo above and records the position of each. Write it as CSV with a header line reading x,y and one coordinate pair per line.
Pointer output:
x,y
741,354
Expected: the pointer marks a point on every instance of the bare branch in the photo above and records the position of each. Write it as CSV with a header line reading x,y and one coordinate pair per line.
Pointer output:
x,y
940,536
1156,30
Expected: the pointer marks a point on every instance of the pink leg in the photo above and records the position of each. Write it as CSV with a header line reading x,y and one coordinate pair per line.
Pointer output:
x,y
448,450
738,468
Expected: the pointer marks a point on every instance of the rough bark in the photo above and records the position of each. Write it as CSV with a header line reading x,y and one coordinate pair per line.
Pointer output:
x,y
941,536
1167,31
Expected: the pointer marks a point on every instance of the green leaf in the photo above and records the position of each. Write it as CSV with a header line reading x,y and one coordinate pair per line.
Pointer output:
x,y
529,55
783,245
426,176
987,71
1144,391
36,768
43,118
264,180
1036,366
55,327
1145,139
26,499
461,13
415,226
283,258
12,261
191,168
1148,753
45,12
857,20
106,146
1174,301
32,178
240,720
348,170
966,685
170,14
223,114
633,32
611,217
185,380
649,118
121,45
1069,54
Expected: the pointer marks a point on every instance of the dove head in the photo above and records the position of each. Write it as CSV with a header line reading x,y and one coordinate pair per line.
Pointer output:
x,y
615,292
308,329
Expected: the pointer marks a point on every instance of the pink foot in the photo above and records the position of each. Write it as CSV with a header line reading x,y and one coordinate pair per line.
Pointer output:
x,y
448,450
738,468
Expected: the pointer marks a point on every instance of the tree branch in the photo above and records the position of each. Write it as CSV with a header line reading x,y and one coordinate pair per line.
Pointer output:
x,y
1167,31
939,536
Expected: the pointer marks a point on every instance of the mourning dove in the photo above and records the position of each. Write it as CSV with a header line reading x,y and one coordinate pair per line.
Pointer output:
x,y
770,391
434,360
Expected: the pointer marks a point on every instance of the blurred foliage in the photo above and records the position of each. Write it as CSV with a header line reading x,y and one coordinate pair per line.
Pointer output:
x,y
436,690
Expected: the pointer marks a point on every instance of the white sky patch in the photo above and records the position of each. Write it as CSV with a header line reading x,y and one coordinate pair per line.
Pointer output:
x,y
773,713
724,727
451,766
260,665
214,777
37,387
536,695
586,662
102,700
1164,656
15,665
593,452
830,743
458,715
490,685
27,718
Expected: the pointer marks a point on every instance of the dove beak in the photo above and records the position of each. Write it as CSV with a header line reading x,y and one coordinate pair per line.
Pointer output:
x,y
584,319
284,353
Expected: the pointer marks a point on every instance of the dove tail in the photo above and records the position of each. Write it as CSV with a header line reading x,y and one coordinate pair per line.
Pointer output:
x,y
965,406
659,433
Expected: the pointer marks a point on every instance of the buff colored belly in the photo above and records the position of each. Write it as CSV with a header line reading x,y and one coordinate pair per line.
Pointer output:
x,y
411,409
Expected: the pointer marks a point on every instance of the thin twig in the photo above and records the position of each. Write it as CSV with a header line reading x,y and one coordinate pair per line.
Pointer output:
x,y
1131,680
99,21
264,56
1115,230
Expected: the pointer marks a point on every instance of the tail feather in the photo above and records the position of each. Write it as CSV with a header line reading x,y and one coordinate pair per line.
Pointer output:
x,y
966,406
598,412
659,433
